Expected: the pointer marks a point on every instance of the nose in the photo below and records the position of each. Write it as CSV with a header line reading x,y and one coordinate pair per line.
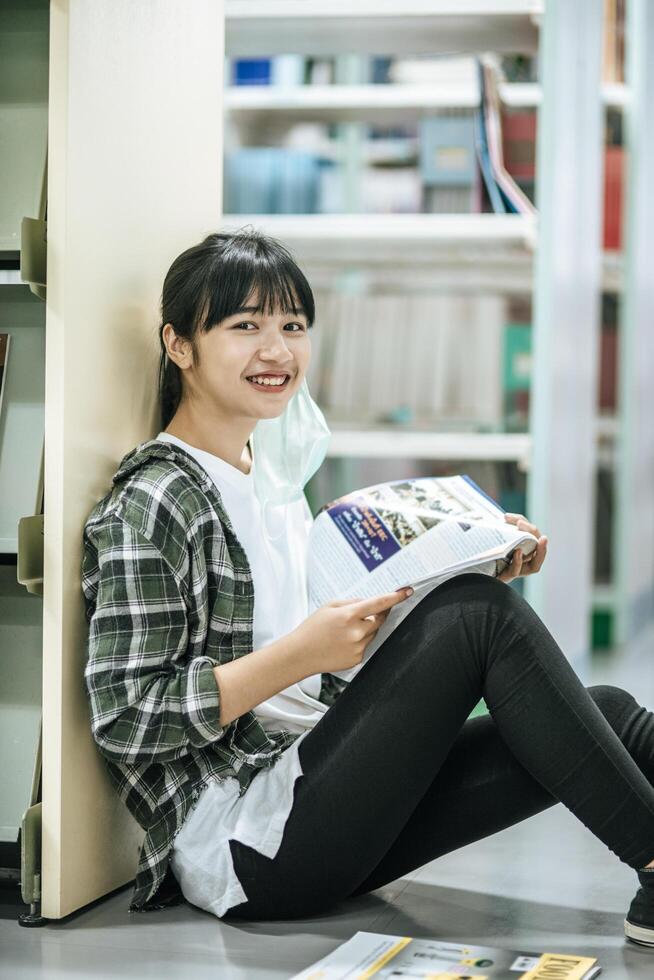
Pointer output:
x,y
276,349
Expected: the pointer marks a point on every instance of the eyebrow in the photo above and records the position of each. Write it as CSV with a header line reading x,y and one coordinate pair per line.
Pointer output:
x,y
255,309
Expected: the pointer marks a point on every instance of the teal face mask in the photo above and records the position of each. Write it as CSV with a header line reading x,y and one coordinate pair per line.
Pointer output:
x,y
287,451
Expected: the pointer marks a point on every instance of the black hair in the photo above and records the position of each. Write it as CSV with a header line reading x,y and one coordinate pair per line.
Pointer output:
x,y
211,281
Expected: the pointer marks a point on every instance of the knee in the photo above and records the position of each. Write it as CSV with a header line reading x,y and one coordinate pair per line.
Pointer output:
x,y
472,586
612,701
473,594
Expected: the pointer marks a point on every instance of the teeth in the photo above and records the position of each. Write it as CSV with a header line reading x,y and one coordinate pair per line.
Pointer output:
x,y
268,381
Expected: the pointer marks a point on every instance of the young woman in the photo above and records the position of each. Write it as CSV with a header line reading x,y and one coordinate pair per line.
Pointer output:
x,y
270,788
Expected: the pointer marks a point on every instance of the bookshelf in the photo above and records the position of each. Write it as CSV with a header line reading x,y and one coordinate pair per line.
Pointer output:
x,y
447,250
76,381
263,27
341,236
391,443
382,104
23,124
481,251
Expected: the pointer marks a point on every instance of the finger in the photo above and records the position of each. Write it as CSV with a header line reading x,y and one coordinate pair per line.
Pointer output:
x,y
538,555
374,621
523,524
512,570
380,602
515,568
377,617
508,574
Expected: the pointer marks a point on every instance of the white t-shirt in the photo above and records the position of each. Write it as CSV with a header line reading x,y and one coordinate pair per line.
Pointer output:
x,y
278,566
201,858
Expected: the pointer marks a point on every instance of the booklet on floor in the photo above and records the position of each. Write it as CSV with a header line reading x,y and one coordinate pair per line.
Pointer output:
x,y
417,532
371,954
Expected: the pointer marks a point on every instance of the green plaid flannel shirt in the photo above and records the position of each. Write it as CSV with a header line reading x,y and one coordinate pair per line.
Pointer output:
x,y
169,595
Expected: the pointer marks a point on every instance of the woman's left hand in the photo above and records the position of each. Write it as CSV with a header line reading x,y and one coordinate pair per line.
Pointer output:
x,y
529,564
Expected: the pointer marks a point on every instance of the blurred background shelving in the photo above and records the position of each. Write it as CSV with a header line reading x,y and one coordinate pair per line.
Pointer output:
x,y
363,160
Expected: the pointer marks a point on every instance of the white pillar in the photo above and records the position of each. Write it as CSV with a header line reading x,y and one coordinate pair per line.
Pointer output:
x,y
135,168
561,485
634,524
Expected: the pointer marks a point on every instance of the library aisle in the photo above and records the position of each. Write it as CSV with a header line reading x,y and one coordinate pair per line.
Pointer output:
x,y
465,187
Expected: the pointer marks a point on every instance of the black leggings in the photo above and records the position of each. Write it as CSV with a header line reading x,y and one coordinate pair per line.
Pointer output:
x,y
395,776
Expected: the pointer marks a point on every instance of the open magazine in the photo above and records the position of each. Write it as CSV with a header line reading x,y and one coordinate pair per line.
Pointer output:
x,y
418,532
370,954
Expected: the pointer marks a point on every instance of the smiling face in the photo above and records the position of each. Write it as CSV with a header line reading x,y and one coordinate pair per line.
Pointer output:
x,y
250,342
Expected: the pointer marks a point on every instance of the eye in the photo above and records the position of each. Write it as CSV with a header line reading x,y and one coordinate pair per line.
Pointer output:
x,y
302,328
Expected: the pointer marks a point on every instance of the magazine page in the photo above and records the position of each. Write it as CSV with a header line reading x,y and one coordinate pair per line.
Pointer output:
x,y
406,532
400,611
370,954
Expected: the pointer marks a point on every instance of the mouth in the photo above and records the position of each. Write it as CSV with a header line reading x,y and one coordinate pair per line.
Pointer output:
x,y
269,382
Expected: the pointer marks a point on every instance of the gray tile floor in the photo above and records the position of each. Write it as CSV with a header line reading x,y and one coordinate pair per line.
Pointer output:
x,y
546,884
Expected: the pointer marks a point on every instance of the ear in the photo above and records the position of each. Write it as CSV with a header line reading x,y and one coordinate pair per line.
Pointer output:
x,y
177,348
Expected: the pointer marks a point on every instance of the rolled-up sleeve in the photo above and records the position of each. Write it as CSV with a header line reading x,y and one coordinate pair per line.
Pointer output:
x,y
149,702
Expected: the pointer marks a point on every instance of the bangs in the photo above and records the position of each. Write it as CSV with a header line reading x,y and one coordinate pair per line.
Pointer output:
x,y
259,270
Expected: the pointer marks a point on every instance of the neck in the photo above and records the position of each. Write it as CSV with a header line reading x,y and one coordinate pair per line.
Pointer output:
x,y
226,440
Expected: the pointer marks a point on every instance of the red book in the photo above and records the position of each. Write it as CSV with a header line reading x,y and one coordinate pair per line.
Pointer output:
x,y
613,195
608,368
519,144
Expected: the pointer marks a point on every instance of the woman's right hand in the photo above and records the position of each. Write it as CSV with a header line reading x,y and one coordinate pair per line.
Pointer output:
x,y
336,635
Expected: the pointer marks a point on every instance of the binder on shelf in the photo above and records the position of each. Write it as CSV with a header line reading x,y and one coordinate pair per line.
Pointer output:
x,y
33,254
5,340
447,162
29,571
29,566
30,836
33,244
30,850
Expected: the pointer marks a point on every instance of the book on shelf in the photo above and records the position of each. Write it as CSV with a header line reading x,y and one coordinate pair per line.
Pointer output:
x,y
504,193
517,372
251,71
441,72
614,160
416,531
448,166
271,180
390,190
608,379
613,56
371,954
519,147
